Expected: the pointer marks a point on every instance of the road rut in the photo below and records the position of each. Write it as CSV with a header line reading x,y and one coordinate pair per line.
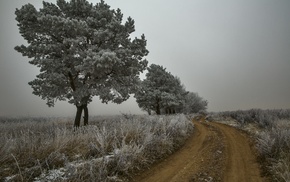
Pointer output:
x,y
215,152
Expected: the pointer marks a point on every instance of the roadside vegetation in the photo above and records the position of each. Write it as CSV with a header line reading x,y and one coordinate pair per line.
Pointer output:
x,y
110,149
271,130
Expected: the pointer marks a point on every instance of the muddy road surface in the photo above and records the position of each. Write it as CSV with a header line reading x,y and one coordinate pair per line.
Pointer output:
x,y
215,152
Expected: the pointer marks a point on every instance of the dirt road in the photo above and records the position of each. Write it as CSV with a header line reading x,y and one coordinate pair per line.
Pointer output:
x,y
215,152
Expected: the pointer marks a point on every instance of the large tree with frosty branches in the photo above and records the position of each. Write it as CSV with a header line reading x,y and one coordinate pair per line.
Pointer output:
x,y
82,50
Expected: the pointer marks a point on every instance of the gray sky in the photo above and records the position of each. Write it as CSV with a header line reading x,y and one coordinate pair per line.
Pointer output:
x,y
234,53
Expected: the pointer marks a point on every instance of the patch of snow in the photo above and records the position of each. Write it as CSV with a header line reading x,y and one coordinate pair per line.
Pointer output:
x,y
52,175
8,178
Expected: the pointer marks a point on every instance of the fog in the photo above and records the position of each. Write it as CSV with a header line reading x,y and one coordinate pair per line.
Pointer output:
x,y
235,54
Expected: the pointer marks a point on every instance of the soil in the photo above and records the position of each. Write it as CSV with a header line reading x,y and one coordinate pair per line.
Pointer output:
x,y
215,152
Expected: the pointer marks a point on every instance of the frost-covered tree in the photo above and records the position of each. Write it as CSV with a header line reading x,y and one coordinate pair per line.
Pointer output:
x,y
173,104
193,103
160,91
82,50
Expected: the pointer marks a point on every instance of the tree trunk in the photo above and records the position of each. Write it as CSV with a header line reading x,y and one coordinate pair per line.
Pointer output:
x,y
149,111
166,111
86,115
78,116
173,111
158,109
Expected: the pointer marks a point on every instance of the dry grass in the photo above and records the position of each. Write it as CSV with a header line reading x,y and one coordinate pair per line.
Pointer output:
x,y
274,146
110,149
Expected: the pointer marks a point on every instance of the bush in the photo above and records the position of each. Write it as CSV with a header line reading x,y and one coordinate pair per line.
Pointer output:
x,y
274,147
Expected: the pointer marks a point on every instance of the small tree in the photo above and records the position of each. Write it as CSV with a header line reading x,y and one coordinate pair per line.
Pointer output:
x,y
160,90
82,50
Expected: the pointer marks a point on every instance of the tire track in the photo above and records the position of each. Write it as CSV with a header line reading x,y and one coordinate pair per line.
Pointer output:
x,y
215,152
241,163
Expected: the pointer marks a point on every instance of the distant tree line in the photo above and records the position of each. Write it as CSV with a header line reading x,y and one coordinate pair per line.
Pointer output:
x,y
162,93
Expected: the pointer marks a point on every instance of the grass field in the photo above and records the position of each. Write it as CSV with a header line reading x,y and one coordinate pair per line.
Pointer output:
x,y
111,148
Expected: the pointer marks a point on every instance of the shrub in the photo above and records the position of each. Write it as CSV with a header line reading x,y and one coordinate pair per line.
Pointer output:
x,y
264,118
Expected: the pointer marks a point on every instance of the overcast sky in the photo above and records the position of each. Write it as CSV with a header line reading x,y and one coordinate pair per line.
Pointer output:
x,y
233,53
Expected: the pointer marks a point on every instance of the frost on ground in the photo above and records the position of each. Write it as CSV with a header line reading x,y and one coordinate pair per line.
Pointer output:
x,y
111,149
52,175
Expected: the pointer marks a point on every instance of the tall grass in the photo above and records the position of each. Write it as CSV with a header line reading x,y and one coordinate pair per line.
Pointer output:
x,y
274,147
110,149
